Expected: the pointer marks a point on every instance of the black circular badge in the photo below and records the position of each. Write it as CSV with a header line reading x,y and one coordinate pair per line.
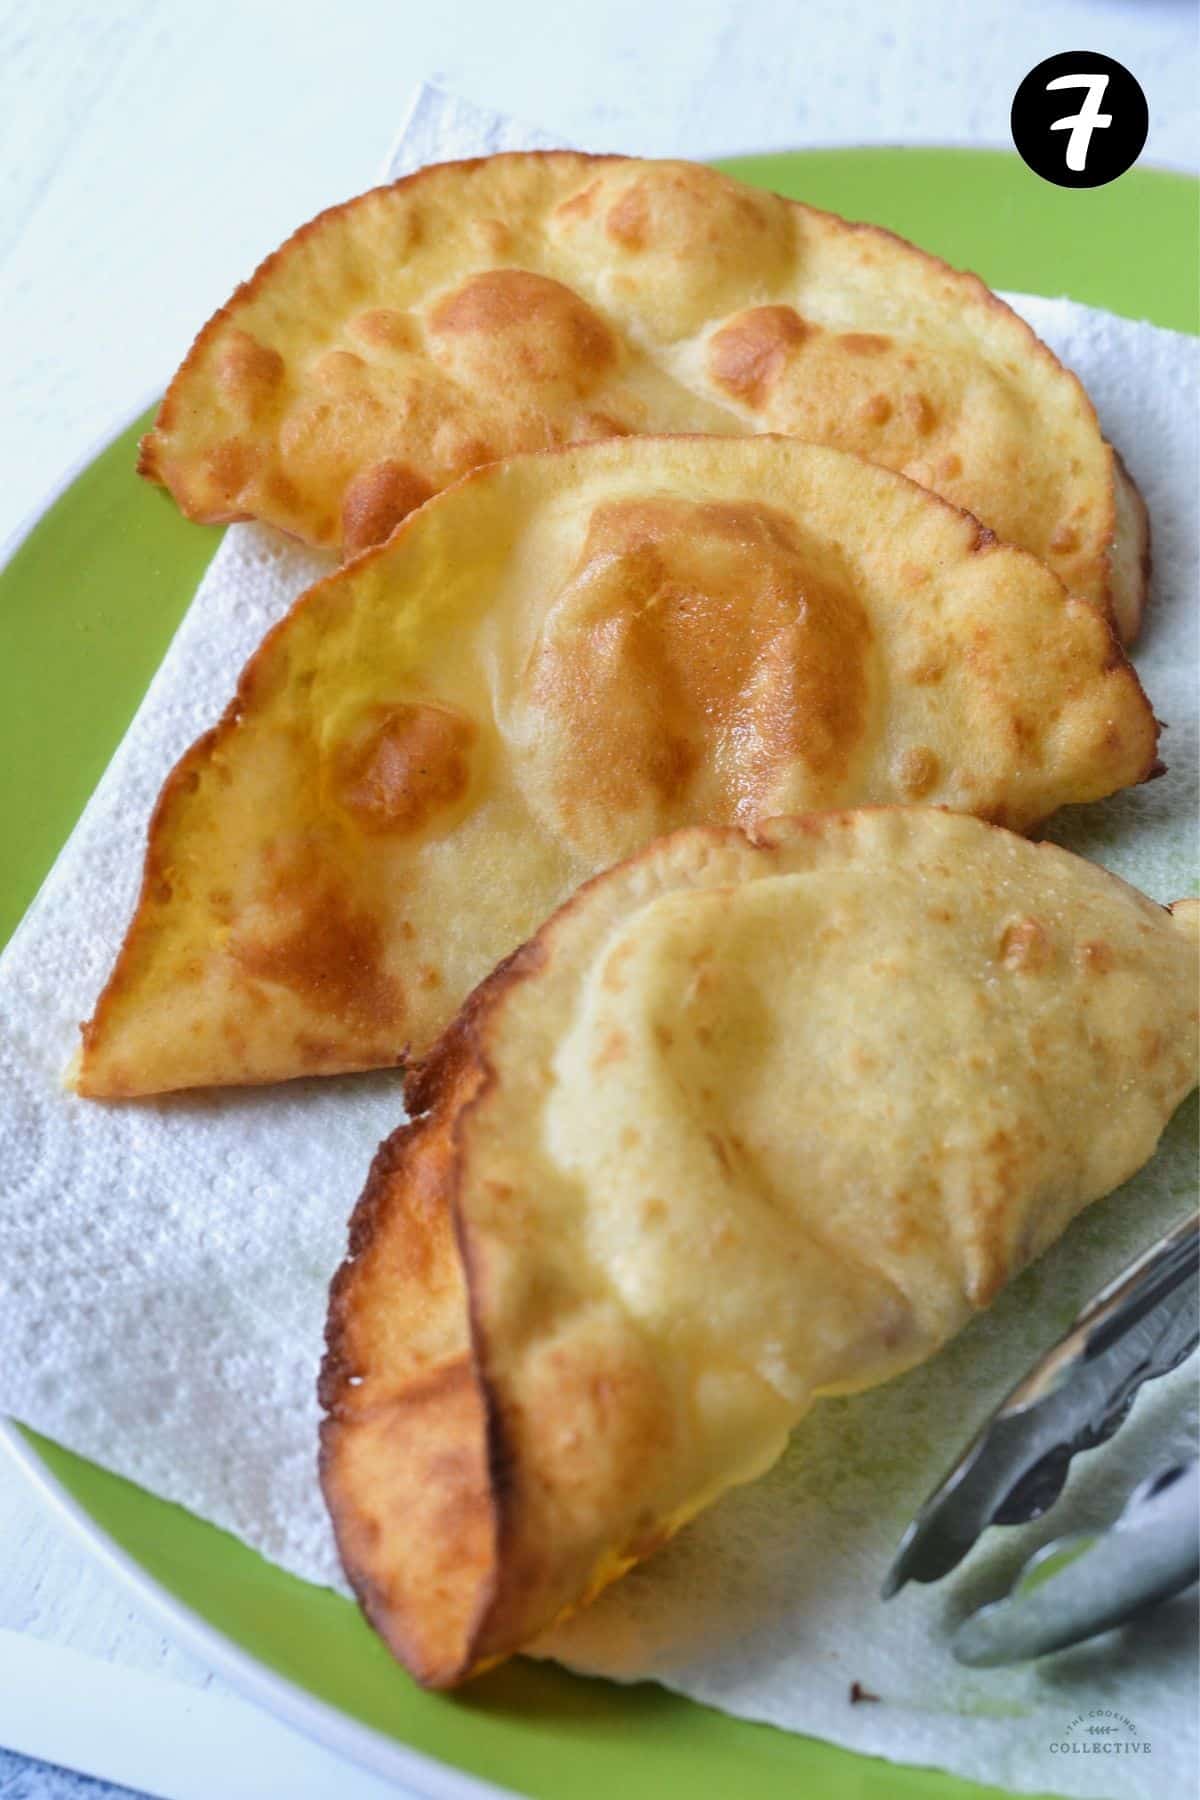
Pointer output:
x,y
1080,119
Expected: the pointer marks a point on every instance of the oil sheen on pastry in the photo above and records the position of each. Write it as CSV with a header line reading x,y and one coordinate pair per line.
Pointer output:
x,y
524,301
554,661
754,1118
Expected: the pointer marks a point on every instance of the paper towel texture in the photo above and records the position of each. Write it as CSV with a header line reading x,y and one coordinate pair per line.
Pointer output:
x,y
164,1265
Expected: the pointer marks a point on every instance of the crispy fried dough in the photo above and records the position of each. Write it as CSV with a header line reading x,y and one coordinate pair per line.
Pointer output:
x,y
524,301
749,1121
545,667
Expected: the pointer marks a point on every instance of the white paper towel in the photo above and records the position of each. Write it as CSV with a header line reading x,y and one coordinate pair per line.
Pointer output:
x,y
163,1266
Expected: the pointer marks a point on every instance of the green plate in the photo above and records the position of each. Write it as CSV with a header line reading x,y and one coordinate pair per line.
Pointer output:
x,y
88,602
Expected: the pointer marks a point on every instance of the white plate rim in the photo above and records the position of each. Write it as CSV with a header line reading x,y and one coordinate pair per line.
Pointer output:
x,y
317,1719
287,1700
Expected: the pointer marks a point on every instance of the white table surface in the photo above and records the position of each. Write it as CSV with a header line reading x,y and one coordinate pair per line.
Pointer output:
x,y
151,152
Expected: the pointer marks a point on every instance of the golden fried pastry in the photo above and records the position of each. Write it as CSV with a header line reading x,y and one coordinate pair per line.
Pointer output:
x,y
548,665
752,1119
525,301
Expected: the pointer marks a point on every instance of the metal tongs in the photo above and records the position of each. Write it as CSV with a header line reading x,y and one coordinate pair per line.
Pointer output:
x,y
1141,1326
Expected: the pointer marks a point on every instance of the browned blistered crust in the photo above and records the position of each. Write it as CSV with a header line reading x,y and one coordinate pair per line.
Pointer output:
x,y
350,1010
1130,553
447,1500
248,475
473,1586
155,887
348,959
401,1503
450,1501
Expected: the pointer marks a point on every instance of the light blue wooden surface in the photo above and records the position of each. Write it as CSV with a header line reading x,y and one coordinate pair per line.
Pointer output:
x,y
23,1779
